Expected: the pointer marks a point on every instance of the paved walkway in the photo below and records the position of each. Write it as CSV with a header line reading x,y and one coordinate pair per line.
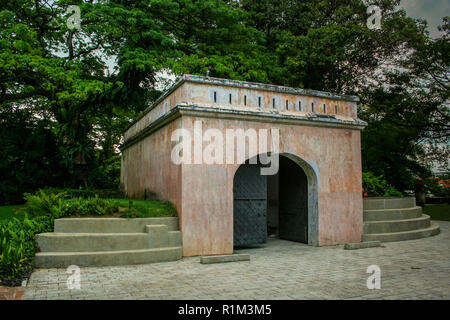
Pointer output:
x,y
417,269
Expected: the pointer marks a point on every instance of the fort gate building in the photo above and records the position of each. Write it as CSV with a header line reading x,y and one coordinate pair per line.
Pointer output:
x,y
314,198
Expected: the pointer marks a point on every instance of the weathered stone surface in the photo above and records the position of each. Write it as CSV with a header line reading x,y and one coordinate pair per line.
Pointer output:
x,y
224,258
111,225
158,236
395,219
87,242
106,258
379,203
392,214
432,230
385,226
362,245
82,242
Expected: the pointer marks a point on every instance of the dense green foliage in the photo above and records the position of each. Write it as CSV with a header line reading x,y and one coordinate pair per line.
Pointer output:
x,y
17,247
29,157
377,186
67,94
48,202
58,205
434,188
9,212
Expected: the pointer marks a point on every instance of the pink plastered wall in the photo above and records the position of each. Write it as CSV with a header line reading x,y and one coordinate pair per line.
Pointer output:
x,y
207,190
147,166
203,194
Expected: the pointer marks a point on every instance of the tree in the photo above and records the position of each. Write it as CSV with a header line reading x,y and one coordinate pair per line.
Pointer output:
x,y
88,82
326,44
409,118
390,145
50,69
29,155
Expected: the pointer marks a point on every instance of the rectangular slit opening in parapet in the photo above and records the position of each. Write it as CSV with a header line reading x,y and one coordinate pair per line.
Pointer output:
x,y
299,106
230,98
287,104
259,102
273,102
335,109
312,106
324,108
245,100
215,96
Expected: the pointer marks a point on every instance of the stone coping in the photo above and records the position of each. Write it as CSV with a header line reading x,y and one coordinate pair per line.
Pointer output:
x,y
245,85
310,119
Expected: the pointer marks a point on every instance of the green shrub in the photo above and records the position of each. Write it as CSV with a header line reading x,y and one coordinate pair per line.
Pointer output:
x,y
130,213
87,207
377,186
17,247
14,264
432,186
57,205
43,202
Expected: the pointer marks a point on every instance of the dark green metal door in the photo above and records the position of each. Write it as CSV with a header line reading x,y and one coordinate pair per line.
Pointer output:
x,y
250,206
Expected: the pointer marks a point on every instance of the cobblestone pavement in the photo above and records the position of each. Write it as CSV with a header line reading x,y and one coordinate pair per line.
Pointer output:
x,y
416,269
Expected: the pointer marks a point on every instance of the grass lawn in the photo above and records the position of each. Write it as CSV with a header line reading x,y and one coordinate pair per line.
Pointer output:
x,y
148,208
438,211
9,212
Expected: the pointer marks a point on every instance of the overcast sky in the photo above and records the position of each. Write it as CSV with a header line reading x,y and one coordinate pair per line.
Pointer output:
x,y
431,10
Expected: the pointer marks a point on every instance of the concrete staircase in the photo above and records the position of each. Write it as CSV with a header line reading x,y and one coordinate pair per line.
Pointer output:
x,y
395,219
89,242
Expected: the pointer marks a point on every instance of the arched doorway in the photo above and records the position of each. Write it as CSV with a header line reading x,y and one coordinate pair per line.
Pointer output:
x,y
283,205
293,202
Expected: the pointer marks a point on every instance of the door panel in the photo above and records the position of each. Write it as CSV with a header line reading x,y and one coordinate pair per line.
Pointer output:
x,y
250,206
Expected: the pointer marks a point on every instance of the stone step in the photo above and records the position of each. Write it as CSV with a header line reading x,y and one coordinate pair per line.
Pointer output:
x,y
392,214
389,203
83,242
175,239
106,258
405,235
388,226
111,225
